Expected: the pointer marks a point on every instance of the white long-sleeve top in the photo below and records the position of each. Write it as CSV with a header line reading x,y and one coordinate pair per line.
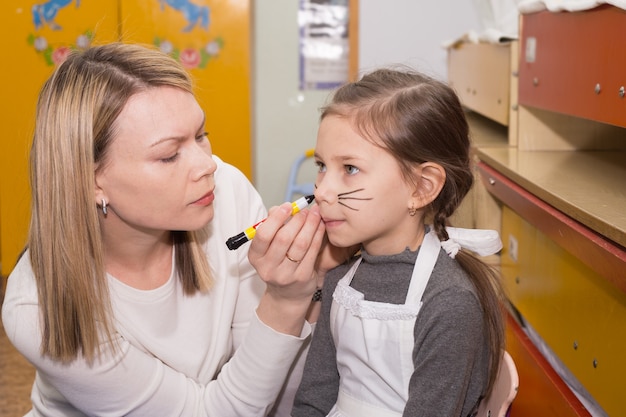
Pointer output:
x,y
201,355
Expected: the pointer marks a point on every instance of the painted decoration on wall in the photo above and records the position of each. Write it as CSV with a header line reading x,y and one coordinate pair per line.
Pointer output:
x,y
46,38
211,38
197,16
44,16
324,43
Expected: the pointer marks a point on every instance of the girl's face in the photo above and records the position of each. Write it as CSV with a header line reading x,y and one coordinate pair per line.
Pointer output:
x,y
159,172
362,195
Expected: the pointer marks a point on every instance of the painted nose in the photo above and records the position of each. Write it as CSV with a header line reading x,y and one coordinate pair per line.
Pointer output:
x,y
323,191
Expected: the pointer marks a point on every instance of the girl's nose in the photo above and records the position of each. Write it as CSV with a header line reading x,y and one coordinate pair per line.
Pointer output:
x,y
324,191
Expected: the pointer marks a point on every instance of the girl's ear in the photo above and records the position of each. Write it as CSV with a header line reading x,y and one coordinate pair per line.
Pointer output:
x,y
430,178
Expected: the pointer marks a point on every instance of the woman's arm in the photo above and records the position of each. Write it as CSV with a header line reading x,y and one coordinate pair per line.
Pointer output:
x,y
129,380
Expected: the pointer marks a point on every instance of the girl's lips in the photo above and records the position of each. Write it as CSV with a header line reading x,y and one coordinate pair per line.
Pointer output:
x,y
332,222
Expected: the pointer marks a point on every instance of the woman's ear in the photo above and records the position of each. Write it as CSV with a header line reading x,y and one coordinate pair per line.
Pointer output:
x,y
99,192
430,178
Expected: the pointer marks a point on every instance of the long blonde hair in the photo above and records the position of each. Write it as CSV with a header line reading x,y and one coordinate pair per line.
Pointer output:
x,y
418,119
75,123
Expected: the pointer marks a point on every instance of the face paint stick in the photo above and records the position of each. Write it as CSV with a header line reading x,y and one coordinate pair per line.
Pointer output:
x,y
248,234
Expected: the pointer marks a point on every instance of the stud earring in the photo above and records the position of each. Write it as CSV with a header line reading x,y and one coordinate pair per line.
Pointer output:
x,y
104,207
412,210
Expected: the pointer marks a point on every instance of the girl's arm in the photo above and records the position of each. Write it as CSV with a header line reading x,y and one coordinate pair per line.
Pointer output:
x,y
449,357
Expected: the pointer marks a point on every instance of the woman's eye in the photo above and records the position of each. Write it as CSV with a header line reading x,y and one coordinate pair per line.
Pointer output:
x,y
351,169
170,159
202,137
320,166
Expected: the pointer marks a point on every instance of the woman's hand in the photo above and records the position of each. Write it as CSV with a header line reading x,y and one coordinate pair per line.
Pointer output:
x,y
284,253
331,256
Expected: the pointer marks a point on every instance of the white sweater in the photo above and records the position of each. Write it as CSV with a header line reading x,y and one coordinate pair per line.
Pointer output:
x,y
177,353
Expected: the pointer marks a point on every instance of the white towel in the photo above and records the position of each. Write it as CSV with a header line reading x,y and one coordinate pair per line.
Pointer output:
x,y
532,6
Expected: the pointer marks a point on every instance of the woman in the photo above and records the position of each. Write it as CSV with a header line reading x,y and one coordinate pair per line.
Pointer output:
x,y
127,300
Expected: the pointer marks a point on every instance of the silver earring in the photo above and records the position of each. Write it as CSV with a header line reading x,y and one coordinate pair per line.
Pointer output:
x,y
104,207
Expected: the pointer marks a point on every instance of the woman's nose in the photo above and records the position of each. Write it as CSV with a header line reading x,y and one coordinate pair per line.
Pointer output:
x,y
204,164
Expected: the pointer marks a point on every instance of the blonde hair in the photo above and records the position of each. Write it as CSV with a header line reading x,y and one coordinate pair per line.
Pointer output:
x,y
76,118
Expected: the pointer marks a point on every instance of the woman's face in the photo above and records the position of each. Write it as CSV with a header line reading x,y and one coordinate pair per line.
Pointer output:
x,y
159,172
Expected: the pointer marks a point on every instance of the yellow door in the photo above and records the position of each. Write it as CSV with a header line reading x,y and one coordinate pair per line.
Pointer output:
x,y
35,35
212,39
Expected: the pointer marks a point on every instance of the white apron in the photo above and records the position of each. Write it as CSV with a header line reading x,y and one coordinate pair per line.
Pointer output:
x,y
374,352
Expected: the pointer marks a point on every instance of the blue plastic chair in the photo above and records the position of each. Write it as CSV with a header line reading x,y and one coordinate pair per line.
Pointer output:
x,y
293,187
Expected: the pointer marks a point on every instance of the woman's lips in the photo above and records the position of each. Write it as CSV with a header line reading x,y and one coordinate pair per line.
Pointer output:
x,y
205,200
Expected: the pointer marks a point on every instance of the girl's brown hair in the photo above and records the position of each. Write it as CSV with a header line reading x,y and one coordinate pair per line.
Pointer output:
x,y
76,118
418,119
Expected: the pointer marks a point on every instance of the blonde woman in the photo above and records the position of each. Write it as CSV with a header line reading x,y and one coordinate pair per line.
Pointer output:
x,y
127,300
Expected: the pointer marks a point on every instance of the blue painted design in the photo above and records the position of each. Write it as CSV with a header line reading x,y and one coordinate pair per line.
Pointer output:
x,y
193,13
45,13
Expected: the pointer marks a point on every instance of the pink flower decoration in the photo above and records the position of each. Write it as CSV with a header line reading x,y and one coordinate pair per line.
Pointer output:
x,y
60,54
190,58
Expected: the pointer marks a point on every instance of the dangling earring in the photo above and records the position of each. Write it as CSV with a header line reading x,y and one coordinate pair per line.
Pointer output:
x,y
104,207
412,210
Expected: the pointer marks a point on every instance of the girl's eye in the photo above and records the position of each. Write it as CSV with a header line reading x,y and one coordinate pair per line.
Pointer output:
x,y
351,169
170,159
320,166
202,137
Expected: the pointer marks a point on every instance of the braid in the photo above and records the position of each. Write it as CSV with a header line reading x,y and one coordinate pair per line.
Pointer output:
x,y
439,224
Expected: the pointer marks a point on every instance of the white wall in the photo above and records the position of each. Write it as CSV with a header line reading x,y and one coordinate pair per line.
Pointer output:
x,y
411,32
285,119
390,31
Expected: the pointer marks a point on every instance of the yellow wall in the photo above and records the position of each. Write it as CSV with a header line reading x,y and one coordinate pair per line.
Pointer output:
x,y
222,71
222,77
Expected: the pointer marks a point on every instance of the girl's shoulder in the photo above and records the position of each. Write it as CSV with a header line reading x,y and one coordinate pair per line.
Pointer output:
x,y
449,278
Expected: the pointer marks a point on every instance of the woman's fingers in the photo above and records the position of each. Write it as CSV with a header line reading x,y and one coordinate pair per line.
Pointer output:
x,y
285,248
266,238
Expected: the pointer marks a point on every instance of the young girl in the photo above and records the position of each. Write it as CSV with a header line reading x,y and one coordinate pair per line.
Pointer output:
x,y
413,325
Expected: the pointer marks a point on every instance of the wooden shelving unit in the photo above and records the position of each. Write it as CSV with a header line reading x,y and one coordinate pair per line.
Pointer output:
x,y
552,180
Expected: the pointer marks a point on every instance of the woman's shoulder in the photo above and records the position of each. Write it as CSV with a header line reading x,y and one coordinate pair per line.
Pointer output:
x,y
21,285
20,308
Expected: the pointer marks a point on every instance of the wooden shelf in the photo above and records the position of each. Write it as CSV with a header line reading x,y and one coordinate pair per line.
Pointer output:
x,y
484,132
556,166
588,186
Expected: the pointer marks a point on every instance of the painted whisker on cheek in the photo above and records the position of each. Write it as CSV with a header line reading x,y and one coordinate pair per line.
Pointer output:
x,y
342,196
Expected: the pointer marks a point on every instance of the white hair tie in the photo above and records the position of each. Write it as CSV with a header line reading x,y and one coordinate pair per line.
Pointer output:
x,y
481,241
451,247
